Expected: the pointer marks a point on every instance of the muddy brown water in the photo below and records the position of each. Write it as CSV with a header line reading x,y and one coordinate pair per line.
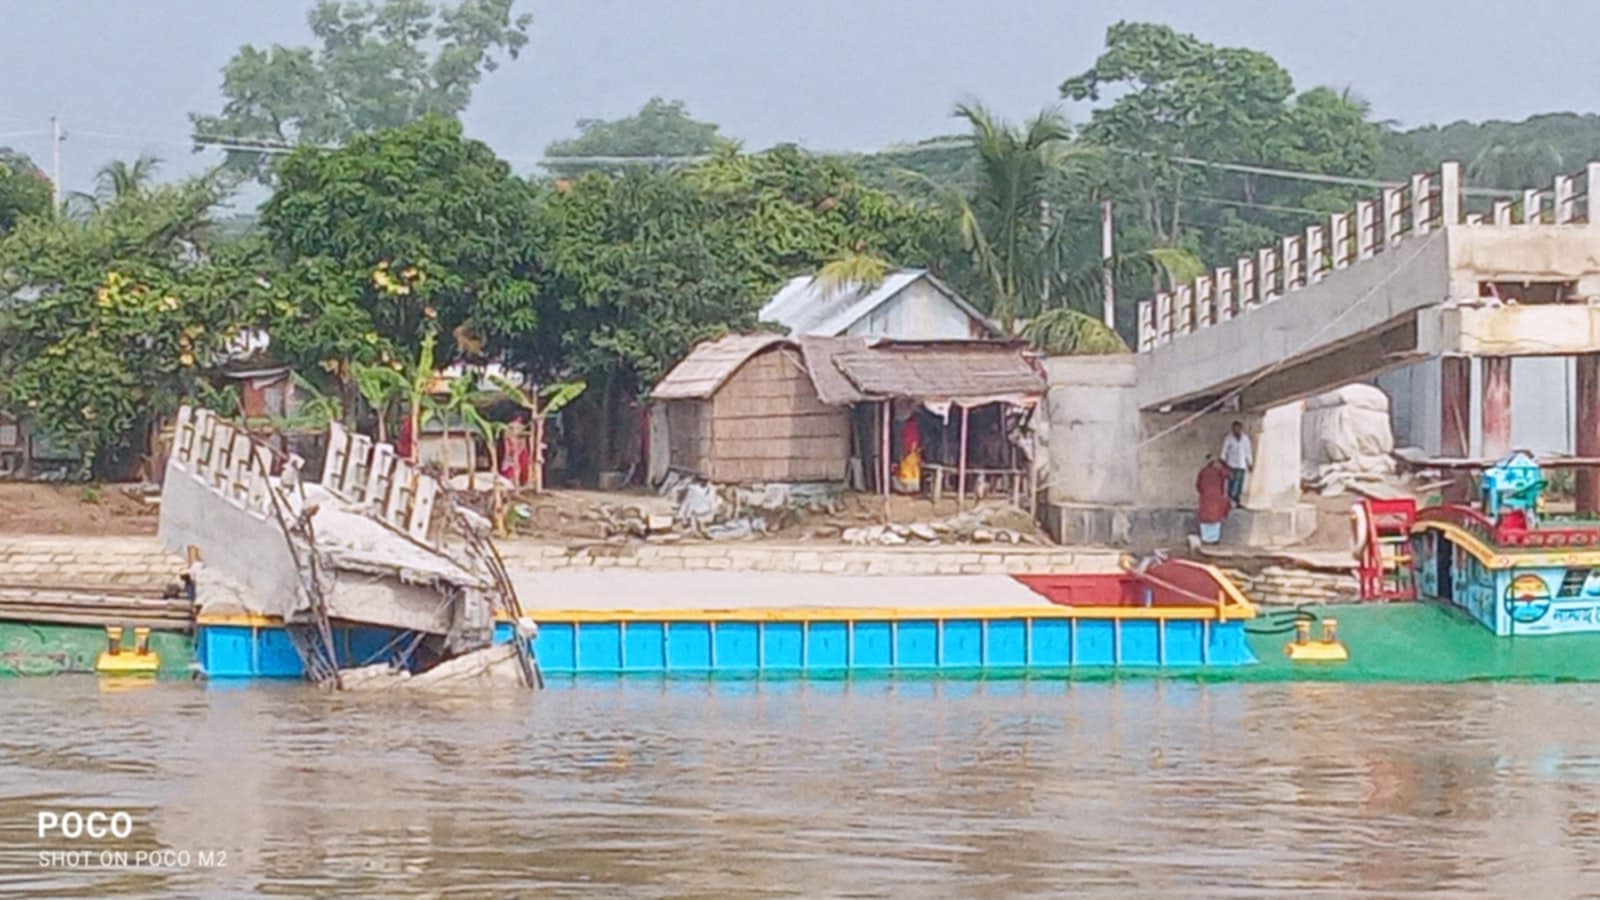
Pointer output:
x,y
907,789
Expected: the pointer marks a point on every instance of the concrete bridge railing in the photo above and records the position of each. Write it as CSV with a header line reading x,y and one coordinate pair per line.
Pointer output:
x,y
1401,213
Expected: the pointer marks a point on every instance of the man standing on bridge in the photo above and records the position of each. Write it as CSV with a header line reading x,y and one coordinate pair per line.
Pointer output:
x,y
1239,457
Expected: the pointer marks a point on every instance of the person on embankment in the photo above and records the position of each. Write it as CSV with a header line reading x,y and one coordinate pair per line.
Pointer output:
x,y
1212,485
1239,457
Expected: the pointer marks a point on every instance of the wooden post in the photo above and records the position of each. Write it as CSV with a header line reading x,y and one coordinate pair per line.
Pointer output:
x,y
1455,417
883,454
961,467
1586,431
1496,406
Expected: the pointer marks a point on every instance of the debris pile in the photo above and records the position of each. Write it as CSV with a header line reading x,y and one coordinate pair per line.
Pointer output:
x,y
1346,440
984,525
687,508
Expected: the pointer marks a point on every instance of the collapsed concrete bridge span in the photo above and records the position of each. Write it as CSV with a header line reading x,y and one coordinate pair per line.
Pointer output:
x,y
1428,271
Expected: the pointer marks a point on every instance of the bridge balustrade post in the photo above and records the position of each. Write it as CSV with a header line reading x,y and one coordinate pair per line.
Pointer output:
x,y
1393,216
1591,192
1532,206
1293,264
1422,205
1562,193
1449,193
1267,274
1227,299
1205,302
1501,214
1147,325
1163,317
1315,252
1185,307
1366,229
1343,250
1249,296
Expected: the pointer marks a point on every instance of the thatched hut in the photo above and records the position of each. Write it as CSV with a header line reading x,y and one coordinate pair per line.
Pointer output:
x,y
744,409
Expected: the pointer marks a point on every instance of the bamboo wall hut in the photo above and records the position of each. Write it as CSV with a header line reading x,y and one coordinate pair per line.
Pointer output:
x,y
744,410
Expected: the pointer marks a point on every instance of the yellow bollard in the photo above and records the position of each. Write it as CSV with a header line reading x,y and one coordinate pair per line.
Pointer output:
x,y
1329,649
141,661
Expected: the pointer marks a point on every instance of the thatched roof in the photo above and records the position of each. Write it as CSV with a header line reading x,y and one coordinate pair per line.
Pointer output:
x,y
833,388
848,370
964,372
710,364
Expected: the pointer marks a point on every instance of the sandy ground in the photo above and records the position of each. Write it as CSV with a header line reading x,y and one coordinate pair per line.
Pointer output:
x,y
610,590
73,509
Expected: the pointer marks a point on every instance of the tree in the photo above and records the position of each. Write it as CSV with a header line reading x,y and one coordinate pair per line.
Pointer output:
x,y
1005,222
107,321
412,232
380,64
116,180
24,190
1068,332
661,129
636,268
1179,97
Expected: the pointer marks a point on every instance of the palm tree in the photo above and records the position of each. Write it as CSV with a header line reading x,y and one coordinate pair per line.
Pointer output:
x,y
1068,332
856,269
1006,224
116,180
119,179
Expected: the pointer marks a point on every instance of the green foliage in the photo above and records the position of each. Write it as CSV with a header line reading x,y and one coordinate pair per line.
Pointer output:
x,y
852,269
1004,223
1178,97
24,190
379,64
116,180
661,128
114,317
1502,154
411,232
636,268
1067,332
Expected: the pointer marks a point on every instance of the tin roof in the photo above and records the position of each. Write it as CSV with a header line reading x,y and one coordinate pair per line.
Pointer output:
x,y
802,307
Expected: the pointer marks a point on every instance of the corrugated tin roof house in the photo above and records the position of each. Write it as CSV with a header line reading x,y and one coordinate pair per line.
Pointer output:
x,y
909,305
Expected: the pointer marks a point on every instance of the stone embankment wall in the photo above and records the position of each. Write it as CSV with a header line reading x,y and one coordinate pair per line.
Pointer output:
x,y
141,562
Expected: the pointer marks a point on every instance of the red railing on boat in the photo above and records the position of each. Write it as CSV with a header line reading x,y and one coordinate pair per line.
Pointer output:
x,y
1512,531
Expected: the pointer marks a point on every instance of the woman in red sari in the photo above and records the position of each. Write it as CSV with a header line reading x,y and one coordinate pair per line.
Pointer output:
x,y
1212,485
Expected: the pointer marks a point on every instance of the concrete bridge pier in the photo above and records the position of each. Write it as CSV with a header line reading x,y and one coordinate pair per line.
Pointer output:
x,y
1125,477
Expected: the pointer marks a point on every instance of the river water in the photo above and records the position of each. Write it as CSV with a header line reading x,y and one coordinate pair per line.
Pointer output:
x,y
916,789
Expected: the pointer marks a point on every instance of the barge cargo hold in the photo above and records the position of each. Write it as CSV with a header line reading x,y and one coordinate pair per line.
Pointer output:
x,y
1132,620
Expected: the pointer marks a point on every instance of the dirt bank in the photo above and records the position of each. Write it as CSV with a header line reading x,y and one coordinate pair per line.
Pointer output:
x,y
76,509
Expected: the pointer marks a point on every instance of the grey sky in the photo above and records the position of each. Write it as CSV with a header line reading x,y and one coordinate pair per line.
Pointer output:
x,y
830,74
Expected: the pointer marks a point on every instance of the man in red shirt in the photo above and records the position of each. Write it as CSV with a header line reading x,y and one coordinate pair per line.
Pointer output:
x,y
1212,485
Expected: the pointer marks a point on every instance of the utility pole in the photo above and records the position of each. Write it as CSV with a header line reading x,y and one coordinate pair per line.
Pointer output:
x,y
1107,282
55,164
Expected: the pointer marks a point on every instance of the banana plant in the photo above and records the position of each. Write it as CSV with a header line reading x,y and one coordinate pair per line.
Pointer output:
x,y
380,386
539,404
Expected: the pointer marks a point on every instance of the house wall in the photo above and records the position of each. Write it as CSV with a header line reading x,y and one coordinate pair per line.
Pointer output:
x,y
919,312
688,435
767,424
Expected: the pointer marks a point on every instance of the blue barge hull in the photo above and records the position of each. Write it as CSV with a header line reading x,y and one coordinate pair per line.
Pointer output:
x,y
780,648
